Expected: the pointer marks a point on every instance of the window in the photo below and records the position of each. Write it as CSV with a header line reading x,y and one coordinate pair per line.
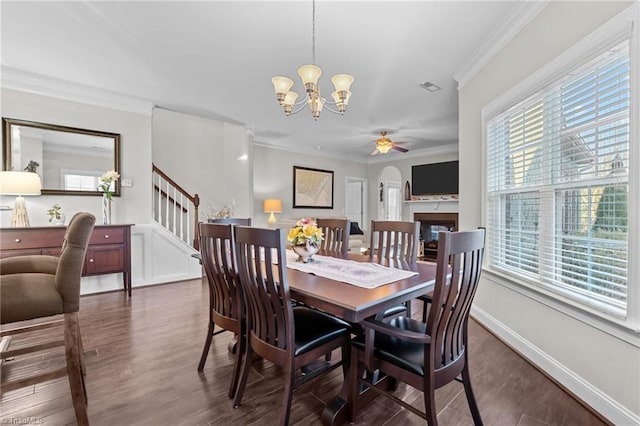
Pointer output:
x,y
80,180
558,184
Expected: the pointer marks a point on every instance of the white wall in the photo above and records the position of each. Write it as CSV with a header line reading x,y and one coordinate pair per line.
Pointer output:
x,y
201,155
273,178
134,204
155,257
601,369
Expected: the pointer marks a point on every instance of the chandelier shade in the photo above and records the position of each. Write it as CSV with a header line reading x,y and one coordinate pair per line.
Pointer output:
x,y
310,74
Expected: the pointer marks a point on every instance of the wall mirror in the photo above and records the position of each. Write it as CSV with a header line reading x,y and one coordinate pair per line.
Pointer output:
x,y
68,160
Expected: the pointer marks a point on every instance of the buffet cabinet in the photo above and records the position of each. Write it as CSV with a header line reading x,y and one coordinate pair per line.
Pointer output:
x,y
109,249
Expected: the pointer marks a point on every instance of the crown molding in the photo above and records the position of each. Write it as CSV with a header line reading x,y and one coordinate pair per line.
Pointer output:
x,y
25,81
520,17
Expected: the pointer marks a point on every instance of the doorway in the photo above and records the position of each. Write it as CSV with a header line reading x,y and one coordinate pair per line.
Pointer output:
x,y
355,203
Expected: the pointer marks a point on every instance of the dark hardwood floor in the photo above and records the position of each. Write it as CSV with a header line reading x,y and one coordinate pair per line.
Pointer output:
x,y
142,354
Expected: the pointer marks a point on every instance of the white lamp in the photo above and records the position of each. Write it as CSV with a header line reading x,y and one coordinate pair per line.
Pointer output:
x,y
272,205
19,183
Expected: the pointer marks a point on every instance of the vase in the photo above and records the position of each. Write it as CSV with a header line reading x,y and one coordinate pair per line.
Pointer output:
x,y
306,251
58,220
106,210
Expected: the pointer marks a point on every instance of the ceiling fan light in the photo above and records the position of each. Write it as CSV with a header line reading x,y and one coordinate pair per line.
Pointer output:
x,y
342,82
384,148
309,74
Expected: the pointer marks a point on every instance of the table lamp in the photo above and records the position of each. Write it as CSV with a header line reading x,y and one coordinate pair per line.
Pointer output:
x,y
272,205
19,183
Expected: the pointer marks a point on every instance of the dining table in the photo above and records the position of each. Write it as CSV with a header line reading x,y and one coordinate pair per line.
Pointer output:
x,y
354,303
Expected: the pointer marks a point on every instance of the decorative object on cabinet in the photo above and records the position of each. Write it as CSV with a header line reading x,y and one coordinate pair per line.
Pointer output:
x,y
312,188
56,217
86,154
109,249
407,191
272,205
106,186
19,183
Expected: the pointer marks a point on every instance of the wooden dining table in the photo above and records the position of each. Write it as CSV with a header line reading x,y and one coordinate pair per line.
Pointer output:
x,y
354,304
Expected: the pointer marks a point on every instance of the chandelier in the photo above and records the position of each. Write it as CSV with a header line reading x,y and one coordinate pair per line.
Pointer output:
x,y
310,74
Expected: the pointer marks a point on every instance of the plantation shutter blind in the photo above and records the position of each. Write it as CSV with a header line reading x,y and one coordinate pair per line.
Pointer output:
x,y
557,185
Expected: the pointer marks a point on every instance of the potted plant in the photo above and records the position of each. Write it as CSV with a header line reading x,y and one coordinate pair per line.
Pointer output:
x,y
305,239
56,217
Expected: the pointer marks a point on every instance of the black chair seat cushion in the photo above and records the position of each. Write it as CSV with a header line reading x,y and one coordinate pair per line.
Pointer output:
x,y
28,296
409,356
314,328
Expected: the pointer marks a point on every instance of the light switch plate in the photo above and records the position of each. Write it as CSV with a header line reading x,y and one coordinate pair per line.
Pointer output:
x,y
126,183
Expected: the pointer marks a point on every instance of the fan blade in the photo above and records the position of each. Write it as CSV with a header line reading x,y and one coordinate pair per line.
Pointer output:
x,y
399,148
375,152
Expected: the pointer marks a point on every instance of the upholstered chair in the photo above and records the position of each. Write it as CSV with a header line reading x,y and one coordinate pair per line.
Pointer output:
x,y
39,286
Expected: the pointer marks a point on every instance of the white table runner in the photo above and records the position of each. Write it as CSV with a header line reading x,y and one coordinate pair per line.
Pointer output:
x,y
361,274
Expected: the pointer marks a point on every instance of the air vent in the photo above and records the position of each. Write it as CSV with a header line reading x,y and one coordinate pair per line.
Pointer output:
x,y
427,85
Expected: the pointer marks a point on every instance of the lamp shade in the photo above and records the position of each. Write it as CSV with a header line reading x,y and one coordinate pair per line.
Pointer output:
x,y
309,74
342,82
272,205
19,183
282,84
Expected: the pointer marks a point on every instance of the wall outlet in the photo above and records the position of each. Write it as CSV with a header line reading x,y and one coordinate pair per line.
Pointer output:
x,y
126,183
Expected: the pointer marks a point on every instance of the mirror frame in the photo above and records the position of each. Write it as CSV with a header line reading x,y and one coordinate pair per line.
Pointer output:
x,y
8,163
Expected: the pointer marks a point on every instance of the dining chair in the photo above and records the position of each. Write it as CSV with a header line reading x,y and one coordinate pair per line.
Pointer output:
x,y
427,355
427,299
394,241
39,286
290,337
226,307
336,235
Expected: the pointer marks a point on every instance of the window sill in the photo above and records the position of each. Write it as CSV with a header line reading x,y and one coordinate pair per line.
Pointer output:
x,y
625,331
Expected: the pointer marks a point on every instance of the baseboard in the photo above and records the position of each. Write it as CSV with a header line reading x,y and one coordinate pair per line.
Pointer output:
x,y
593,398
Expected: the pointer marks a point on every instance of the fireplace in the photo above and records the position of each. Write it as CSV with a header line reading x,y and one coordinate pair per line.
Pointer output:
x,y
430,225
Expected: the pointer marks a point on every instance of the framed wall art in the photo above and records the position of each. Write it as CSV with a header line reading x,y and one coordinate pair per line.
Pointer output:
x,y
312,188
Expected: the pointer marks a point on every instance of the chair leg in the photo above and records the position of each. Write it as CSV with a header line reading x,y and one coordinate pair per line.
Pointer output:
x,y
288,393
83,368
473,406
246,368
207,346
72,352
237,367
429,394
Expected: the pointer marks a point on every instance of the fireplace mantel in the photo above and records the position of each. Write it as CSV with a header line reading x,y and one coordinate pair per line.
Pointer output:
x,y
431,206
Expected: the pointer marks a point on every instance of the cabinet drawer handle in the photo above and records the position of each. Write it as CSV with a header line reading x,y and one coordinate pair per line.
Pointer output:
x,y
106,236
90,260
18,240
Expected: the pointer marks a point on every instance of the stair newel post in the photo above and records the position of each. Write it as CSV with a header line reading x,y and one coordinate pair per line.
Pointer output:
x,y
196,232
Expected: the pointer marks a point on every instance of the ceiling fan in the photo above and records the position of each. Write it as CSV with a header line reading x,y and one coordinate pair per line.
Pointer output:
x,y
384,145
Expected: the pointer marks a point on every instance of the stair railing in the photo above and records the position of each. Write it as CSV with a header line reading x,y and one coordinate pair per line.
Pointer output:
x,y
175,209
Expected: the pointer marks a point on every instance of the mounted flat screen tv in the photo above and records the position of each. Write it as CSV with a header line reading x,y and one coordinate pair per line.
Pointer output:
x,y
434,179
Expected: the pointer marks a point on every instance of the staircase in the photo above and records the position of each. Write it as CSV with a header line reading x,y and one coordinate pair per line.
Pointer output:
x,y
175,209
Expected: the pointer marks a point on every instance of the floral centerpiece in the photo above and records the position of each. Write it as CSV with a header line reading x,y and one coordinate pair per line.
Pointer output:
x,y
106,185
305,239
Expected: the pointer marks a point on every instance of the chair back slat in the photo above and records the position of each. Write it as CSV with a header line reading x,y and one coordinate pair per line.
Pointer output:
x,y
459,265
336,234
262,266
216,242
396,240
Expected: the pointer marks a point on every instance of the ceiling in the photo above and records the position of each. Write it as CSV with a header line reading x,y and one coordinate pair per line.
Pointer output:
x,y
216,59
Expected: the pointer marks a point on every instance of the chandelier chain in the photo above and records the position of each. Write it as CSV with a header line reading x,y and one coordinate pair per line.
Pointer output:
x,y
313,32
